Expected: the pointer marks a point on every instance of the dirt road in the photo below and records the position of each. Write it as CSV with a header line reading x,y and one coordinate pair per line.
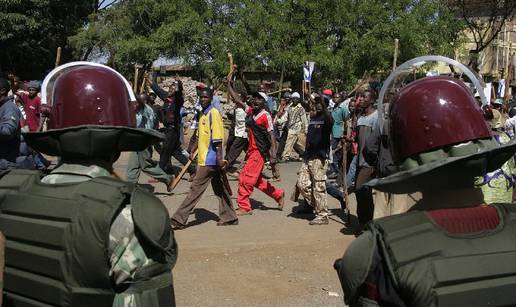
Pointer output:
x,y
273,258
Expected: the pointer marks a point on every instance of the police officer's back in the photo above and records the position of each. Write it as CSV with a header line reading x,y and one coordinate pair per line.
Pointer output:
x,y
80,236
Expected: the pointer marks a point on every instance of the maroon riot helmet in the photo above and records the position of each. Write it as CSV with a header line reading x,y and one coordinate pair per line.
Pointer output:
x,y
439,138
91,110
432,113
90,95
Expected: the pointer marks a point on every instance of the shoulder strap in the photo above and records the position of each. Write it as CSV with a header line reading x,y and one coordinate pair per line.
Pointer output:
x,y
106,189
151,220
354,267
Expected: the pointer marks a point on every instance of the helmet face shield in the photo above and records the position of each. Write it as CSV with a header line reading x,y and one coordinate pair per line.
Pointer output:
x,y
409,71
47,87
84,93
430,115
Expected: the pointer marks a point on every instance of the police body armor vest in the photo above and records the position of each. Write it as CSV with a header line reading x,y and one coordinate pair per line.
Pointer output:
x,y
57,239
433,268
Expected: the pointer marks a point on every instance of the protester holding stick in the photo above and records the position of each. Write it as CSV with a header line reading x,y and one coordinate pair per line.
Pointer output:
x,y
262,144
210,167
312,175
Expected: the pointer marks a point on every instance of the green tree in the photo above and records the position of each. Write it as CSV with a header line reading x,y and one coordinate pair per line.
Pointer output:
x,y
345,38
33,29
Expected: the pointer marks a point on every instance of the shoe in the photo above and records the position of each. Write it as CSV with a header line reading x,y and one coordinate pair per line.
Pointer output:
x,y
240,212
169,184
333,176
359,230
234,174
319,221
281,201
230,223
176,226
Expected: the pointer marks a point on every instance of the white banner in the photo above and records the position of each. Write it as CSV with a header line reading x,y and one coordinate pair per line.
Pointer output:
x,y
308,70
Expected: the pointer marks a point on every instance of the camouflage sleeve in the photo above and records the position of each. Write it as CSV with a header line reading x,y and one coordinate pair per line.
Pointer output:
x,y
127,256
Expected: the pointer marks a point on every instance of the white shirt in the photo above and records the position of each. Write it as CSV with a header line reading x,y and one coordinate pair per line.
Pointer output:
x,y
240,128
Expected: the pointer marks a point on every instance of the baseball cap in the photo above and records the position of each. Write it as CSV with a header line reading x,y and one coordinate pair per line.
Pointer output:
x,y
260,95
327,92
295,95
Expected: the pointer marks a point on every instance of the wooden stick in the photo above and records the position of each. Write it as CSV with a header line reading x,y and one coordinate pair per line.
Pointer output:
x,y
135,83
282,90
43,118
360,84
230,75
345,178
396,50
142,88
58,56
2,265
183,171
507,74
295,195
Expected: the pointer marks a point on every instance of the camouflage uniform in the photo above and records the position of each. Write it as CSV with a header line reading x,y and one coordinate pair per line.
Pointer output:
x,y
498,185
312,185
126,255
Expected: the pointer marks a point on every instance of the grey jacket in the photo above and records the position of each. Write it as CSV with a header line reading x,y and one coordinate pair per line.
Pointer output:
x,y
10,131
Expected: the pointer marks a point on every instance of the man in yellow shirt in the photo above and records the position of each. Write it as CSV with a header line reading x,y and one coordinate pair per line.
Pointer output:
x,y
210,164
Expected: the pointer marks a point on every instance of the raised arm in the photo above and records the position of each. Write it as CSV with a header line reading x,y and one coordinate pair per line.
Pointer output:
x,y
162,94
234,95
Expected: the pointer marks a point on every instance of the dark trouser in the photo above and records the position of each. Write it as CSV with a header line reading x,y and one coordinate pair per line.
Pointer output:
x,y
239,144
142,161
231,139
364,195
170,145
282,142
337,156
205,175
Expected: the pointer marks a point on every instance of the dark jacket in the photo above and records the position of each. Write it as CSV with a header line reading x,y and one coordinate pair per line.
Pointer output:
x,y
170,112
377,153
10,132
318,137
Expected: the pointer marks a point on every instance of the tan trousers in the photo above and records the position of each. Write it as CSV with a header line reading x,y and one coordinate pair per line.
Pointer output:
x,y
312,185
295,141
386,204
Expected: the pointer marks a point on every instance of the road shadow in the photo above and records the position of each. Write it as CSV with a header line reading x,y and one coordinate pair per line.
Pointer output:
x,y
302,211
351,223
258,205
202,216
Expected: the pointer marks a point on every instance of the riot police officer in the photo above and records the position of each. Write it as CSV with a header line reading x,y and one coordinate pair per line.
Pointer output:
x,y
450,249
80,236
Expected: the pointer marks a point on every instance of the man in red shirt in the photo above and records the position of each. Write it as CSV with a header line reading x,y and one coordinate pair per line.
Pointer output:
x,y
262,144
31,105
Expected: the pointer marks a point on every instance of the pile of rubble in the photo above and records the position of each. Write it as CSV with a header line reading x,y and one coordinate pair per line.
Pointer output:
x,y
190,95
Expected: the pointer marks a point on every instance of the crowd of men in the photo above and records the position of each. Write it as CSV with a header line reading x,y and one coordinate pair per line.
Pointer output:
x,y
297,123
391,161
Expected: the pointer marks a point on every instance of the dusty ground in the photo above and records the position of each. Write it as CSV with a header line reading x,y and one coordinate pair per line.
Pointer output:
x,y
273,258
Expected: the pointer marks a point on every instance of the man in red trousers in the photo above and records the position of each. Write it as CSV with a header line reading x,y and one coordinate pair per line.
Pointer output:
x,y
262,145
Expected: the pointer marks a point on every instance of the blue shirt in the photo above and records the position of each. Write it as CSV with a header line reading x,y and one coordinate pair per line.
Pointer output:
x,y
340,114
145,117
271,104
